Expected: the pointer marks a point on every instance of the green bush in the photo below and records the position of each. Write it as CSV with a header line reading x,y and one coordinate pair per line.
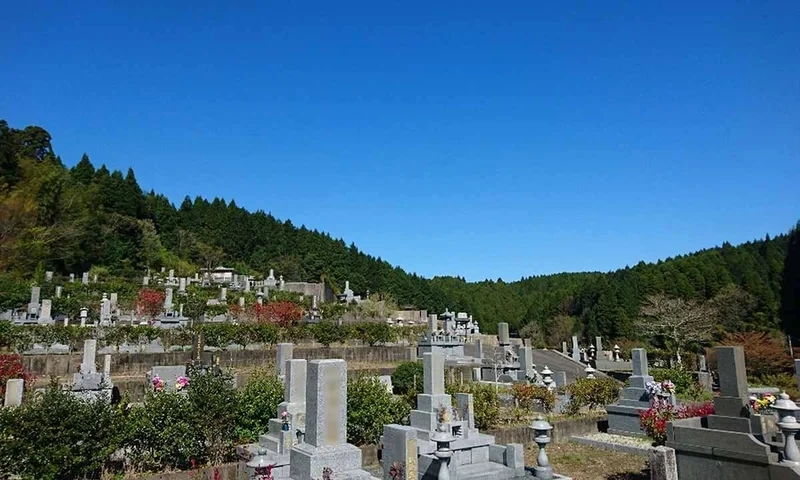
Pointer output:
x,y
485,402
328,332
682,378
369,407
213,401
528,395
57,435
257,403
405,376
591,393
374,332
164,433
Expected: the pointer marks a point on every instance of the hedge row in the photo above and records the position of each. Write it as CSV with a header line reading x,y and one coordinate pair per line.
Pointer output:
x,y
21,338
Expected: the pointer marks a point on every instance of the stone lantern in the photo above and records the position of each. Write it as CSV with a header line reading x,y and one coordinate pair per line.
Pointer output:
x,y
541,435
589,372
548,379
259,466
789,427
443,437
616,353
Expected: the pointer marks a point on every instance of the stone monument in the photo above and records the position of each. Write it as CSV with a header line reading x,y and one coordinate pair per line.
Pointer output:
x,y
623,417
326,427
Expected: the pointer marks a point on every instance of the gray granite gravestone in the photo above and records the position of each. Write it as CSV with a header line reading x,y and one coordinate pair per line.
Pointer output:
x,y
576,351
326,427
475,455
526,369
502,334
88,382
623,417
283,353
731,443
45,315
399,452
85,278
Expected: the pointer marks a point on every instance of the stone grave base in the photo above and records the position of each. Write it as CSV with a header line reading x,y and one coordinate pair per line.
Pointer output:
x,y
624,420
345,461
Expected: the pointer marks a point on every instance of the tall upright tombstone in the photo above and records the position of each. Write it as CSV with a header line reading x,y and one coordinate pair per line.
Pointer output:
x,y
283,353
623,417
502,334
598,343
576,351
526,369
45,315
85,278
731,442
326,427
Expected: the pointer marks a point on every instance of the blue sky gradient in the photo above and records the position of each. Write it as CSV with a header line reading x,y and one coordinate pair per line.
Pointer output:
x,y
479,139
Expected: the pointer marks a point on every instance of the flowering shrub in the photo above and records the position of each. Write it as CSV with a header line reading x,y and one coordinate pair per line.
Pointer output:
x,y
528,395
11,367
150,302
591,393
654,420
760,403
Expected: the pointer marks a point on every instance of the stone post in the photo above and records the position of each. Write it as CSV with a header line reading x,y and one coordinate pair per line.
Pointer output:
x,y
663,465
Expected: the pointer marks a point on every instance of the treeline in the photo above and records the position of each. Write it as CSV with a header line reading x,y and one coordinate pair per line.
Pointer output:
x,y
69,220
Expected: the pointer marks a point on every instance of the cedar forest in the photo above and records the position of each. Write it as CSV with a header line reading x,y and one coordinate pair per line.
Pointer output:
x,y
72,219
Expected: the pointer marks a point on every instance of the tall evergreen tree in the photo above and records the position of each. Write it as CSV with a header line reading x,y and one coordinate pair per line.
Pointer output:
x,y
790,286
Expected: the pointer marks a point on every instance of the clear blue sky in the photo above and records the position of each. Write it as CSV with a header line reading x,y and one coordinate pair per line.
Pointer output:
x,y
482,139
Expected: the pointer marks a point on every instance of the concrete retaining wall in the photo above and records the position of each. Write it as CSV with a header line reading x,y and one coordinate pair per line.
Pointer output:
x,y
123,364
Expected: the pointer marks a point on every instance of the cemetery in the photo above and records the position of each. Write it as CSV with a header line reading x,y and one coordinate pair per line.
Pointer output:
x,y
298,394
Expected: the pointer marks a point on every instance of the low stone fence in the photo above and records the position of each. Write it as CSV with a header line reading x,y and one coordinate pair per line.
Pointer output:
x,y
561,433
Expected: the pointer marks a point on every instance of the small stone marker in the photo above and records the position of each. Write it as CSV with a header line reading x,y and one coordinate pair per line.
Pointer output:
x,y
564,349
59,290
14,389
85,278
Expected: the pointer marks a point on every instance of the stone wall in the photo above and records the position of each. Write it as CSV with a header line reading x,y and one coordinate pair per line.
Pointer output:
x,y
321,290
561,433
123,364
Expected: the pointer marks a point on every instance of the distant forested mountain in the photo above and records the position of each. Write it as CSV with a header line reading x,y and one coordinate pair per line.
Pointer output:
x,y
68,220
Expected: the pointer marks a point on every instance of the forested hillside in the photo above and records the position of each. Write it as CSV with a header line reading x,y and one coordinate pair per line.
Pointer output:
x,y
72,219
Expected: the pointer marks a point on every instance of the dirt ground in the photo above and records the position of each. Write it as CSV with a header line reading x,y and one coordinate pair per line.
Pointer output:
x,y
584,462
